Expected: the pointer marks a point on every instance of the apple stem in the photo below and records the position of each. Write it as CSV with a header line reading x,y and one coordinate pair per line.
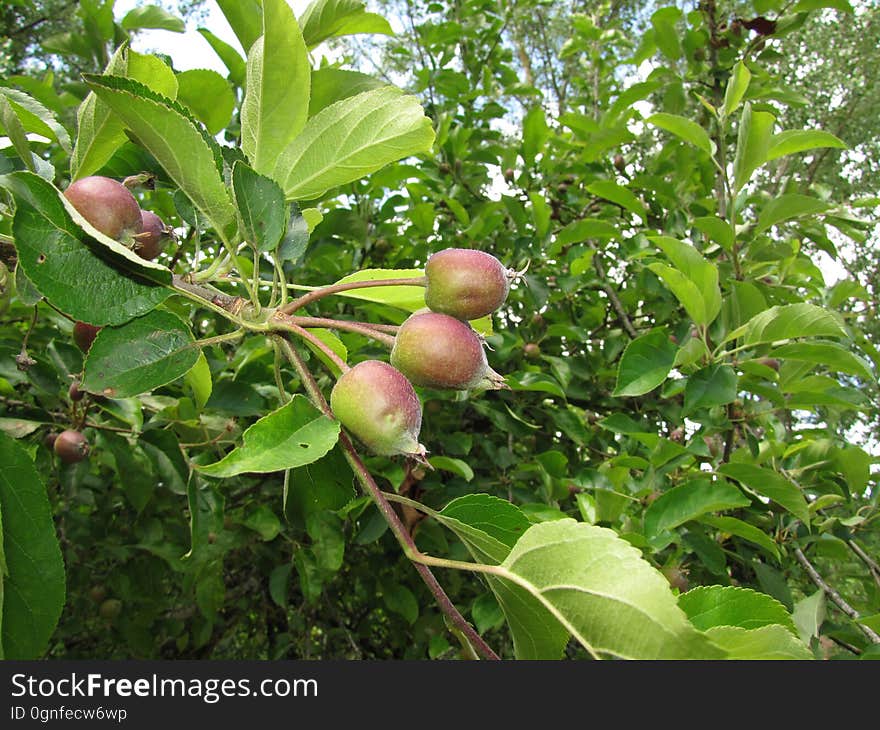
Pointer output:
x,y
325,291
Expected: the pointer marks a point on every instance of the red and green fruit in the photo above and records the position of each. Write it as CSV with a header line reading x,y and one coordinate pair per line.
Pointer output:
x,y
466,284
71,446
438,351
108,205
378,405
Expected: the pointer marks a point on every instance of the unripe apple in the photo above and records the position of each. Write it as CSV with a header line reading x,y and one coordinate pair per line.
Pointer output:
x,y
378,405
150,242
74,392
71,446
466,284
98,593
438,351
110,608
532,350
84,335
108,205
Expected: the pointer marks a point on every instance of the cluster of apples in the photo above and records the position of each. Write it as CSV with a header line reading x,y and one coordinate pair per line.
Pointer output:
x,y
434,348
109,207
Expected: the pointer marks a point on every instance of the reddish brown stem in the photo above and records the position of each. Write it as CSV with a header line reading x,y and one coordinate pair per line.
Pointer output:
x,y
325,291
360,328
369,485
288,324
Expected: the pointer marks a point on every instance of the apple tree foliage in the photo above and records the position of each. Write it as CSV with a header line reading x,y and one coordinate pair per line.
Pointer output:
x,y
680,467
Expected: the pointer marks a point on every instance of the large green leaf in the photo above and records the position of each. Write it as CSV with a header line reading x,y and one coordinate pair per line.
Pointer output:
x,y
245,17
753,144
11,125
276,104
710,606
100,132
714,385
603,592
292,436
536,633
767,642
809,614
31,567
685,129
689,501
208,96
789,321
733,526
769,483
785,207
835,357
645,364
139,356
325,484
330,85
702,274
325,19
81,272
800,140
164,128
352,138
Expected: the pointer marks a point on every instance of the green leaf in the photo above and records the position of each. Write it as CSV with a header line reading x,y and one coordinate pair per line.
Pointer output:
x,y
753,144
736,87
619,195
54,251
694,281
835,357
231,58
152,16
603,592
261,207
666,37
208,96
793,141
645,364
325,19
187,153
264,522
326,484
770,484
18,427
279,584
455,466
714,385
717,229
16,133
35,117
199,381
328,540
408,298
365,132
789,321
330,85
245,17
711,606
400,600
100,132
809,614
294,435
785,207
733,526
535,133
768,642
689,501
476,516
276,104
805,6
583,230
139,356
684,129
31,566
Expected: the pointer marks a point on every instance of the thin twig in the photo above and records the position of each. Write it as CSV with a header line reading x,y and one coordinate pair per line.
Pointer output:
x,y
836,598
324,291
622,316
